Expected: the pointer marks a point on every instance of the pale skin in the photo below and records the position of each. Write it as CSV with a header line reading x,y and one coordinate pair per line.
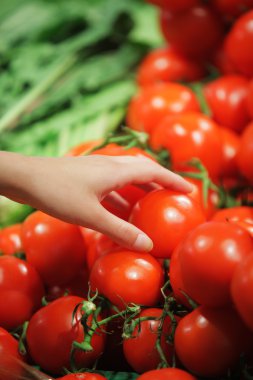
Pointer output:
x,y
71,189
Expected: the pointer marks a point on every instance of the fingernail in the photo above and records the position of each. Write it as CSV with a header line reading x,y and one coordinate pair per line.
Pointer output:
x,y
143,243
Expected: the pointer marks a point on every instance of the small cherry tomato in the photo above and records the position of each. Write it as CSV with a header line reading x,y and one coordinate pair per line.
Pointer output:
x,y
10,240
245,153
166,373
10,358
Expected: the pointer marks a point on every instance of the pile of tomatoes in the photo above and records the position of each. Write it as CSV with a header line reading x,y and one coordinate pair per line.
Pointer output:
x,y
72,299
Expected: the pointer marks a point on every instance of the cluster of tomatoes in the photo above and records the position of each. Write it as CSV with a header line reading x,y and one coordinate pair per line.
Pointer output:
x,y
72,299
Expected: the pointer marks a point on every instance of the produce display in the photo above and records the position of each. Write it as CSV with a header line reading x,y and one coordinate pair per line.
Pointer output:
x,y
171,80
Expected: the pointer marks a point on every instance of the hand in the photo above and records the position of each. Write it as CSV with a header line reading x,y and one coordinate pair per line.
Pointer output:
x,y
71,189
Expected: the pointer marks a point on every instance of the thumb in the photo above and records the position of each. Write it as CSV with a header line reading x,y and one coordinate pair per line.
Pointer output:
x,y
123,233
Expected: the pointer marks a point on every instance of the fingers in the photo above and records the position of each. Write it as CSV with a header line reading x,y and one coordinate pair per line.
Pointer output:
x,y
123,233
117,201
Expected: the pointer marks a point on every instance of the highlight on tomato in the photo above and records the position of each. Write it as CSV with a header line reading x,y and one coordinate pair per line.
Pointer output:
x,y
10,240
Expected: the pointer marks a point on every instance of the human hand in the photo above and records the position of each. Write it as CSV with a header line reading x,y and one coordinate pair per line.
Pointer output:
x,y
71,189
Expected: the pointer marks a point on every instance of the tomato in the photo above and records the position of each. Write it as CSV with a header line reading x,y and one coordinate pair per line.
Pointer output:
x,y
209,342
83,148
208,257
195,32
51,332
241,288
128,277
21,291
89,235
82,376
232,8
10,368
221,61
175,5
250,99
227,99
167,374
55,248
245,154
166,217
165,65
230,148
100,247
234,214
239,42
10,240
149,107
187,136
140,350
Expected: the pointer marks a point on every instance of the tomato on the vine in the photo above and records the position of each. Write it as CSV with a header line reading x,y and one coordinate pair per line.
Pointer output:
x,y
209,342
52,331
10,358
168,374
21,291
149,107
208,258
10,240
82,376
245,153
128,277
55,248
166,217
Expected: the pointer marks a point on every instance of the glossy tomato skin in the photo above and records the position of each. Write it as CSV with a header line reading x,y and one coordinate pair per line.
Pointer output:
x,y
140,350
230,149
208,257
21,291
51,330
239,42
174,5
245,153
10,240
241,288
187,136
234,214
250,99
100,247
168,374
167,65
166,217
55,248
10,368
125,276
227,100
194,33
82,376
209,342
148,108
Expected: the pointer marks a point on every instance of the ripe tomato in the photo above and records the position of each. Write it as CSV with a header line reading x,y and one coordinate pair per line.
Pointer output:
x,y
168,374
250,99
195,32
175,5
83,148
227,99
128,277
241,288
230,148
232,8
100,247
52,330
140,350
55,248
10,240
10,368
21,291
208,257
221,61
234,214
209,342
153,103
82,376
166,217
165,65
239,42
245,154
187,136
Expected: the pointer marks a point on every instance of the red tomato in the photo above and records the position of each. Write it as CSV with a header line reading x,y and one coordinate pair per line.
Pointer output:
x,y
209,342
55,248
10,240
89,235
245,154
148,108
52,330
165,65
82,376
234,214
241,288
250,99
83,148
166,374
125,277
208,257
100,247
10,368
227,99
195,32
21,291
222,62
239,42
187,136
140,350
230,148
232,8
166,217
175,5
